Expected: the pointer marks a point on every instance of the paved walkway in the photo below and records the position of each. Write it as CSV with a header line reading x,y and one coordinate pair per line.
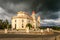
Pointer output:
x,y
29,37
13,36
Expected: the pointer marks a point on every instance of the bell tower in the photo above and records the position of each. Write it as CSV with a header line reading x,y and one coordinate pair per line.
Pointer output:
x,y
38,21
34,19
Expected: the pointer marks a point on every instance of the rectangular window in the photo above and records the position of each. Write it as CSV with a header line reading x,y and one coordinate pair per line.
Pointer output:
x,y
22,23
15,26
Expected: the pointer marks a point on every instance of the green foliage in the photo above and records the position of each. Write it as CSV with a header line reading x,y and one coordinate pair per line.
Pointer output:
x,y
29,25
4,24
56,28
52,27
42,27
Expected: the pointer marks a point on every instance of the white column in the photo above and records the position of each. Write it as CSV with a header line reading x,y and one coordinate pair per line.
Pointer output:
x,y
5,31
27,29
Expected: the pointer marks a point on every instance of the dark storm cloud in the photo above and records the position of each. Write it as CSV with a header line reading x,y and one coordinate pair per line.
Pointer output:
x,y
51,5
47,9
37,5
16,5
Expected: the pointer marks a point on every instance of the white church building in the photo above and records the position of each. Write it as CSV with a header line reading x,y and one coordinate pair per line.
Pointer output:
x,y
23,18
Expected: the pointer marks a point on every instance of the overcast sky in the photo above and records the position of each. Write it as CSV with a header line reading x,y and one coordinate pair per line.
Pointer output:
x,y
49,10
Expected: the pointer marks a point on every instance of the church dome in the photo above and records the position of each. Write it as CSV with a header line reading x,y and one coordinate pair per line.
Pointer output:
x,y
22,14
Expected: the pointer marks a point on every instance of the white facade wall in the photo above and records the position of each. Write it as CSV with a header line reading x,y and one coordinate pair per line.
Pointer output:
x,y
34,23
18,23
13,23
25,22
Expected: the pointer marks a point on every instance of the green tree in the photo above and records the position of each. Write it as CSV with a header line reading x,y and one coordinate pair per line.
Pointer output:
x,y
29,25
9,26
1,23
6,24
56,28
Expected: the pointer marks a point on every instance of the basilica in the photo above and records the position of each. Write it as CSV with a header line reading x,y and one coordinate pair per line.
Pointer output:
x,y
23,18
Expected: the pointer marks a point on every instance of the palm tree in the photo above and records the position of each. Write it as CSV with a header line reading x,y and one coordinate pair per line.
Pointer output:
x,y
29,25
6,24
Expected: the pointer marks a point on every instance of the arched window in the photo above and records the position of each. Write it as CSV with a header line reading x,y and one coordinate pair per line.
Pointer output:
x,y
15,20
22,20
22,26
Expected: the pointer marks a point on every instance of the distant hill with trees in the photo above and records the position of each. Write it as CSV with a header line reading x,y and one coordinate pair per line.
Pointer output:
x,y
52,27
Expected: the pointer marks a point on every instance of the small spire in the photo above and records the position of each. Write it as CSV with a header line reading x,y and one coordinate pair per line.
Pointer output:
x,y
33,12
38,16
